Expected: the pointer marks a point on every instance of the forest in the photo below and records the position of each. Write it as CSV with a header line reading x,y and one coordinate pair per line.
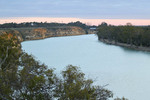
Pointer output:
x,y
128,34
44,24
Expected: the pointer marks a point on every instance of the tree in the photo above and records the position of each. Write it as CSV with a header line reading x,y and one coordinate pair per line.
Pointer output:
x,y
29,80
9,50
132,35
35,80
74,86
104,24
9,60
21,76
123,98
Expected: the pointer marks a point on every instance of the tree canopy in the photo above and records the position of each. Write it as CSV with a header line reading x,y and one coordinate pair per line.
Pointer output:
x,y
133,35
44,24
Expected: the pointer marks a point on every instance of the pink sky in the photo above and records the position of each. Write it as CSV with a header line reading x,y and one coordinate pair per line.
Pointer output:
x,y
67,20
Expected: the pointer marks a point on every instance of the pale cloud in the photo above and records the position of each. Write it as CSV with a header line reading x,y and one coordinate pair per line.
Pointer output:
x,y
67,20
116,9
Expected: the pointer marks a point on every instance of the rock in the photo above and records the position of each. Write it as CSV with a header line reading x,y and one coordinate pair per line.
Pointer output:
x,y
25,34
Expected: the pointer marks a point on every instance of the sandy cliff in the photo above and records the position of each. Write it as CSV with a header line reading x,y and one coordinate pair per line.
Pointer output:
x,y
25,34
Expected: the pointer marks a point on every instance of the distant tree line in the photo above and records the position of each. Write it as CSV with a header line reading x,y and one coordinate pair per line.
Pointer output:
x,y
43,24
133,35
24,78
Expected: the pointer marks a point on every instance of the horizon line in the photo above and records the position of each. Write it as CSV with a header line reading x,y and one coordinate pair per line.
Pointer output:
x,y
88,21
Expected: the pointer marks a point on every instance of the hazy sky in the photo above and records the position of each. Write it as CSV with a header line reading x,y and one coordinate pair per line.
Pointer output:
x,y
101,9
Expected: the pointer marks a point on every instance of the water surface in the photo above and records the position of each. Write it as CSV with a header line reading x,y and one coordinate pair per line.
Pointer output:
x,y
126,71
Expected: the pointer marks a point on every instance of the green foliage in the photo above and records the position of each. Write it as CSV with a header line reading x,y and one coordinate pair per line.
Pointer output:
x,y
9,51
74,86
41,24
138,36
120,98
9,59
30,80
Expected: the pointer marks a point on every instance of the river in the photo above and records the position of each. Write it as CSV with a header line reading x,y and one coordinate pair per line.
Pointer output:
x,y
126,71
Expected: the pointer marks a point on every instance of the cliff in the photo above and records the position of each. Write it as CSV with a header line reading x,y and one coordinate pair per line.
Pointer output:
x,y
25,34
13,32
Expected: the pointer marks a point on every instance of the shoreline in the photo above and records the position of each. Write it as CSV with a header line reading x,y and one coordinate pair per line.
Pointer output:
x,y
129,46
39,33
53,37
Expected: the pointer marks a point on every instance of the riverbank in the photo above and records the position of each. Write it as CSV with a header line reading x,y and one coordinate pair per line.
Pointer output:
x,y
139,48
37,33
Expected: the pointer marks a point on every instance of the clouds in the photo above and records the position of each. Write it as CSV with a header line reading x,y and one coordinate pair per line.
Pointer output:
x,y
76,8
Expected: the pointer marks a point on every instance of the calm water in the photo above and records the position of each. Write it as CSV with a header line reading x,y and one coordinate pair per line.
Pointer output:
x,y
126,71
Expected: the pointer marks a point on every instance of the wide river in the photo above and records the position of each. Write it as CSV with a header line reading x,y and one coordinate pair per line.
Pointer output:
x,y
126,71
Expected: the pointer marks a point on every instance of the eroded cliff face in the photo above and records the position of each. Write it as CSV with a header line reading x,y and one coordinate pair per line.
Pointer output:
x,y
39,33
13,32
25,34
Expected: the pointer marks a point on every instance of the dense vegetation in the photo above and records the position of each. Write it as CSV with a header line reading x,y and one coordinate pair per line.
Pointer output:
x,y
45,24
128,34
24,78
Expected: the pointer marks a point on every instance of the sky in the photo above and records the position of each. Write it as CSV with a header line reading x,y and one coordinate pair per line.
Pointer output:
x,y
84,9
137,22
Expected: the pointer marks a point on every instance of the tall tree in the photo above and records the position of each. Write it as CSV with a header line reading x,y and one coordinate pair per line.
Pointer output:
x,y
75,86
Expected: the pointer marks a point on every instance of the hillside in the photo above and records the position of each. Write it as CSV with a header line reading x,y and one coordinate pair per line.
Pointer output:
x,y
33,33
